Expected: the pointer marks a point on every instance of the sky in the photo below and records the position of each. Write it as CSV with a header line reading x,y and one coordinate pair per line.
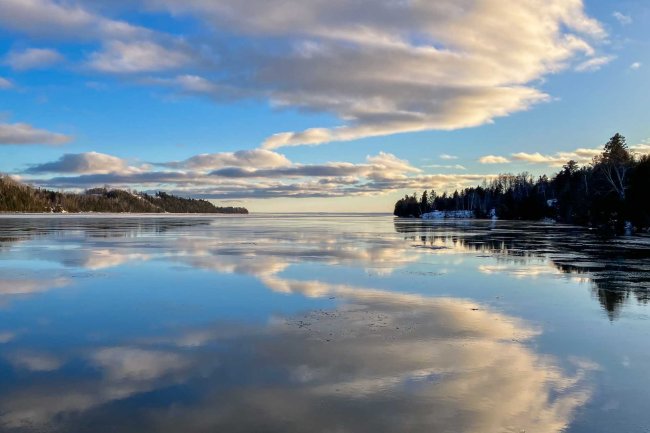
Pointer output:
x,y
315,105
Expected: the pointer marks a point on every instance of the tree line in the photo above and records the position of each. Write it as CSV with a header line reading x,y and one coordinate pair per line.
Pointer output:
x,y
18,197
612,190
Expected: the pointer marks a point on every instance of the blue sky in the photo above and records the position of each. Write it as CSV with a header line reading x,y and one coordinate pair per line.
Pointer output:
x,y
314,105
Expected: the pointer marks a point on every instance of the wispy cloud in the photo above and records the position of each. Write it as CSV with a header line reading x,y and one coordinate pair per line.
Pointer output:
x,y
136,57
594,64
635,65
33,58
446,156
451,166
622,18
5,84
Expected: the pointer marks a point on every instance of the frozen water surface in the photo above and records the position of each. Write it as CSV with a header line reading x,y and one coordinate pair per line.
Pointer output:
x,y
320,323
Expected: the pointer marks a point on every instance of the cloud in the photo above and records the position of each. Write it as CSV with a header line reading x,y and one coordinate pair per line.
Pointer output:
x,y
594,64
33,58
636,65
59,20
446,156
454,166
493,159
256,173
22,133
622,18
244,158
135,57
83,163
5,84
581,156
401,66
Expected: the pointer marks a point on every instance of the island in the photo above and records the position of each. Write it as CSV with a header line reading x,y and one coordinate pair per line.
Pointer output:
x,y
19,197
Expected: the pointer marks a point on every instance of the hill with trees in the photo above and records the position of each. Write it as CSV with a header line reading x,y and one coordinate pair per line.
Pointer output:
x,y
612,190
18,197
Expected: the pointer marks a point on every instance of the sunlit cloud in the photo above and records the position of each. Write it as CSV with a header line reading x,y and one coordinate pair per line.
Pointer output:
x,y
493,159
402,67
84,163
594,64
257,173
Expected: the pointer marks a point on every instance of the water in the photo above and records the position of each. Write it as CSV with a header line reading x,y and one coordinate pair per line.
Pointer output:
x,y
315,323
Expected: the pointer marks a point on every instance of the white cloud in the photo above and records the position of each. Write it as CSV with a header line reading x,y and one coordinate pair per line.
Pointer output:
x,y
256,158
33,58
247,174
582,156
403,66
594,64
622,18
22,133
635,65
134,57
446,156
641,148
400,66
5,84
493,159
84,163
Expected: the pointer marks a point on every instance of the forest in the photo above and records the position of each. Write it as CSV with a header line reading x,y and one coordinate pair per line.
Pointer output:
x,y
18,197
611,192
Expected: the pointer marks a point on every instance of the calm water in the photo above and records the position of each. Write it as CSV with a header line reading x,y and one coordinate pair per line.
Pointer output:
x,y
320,324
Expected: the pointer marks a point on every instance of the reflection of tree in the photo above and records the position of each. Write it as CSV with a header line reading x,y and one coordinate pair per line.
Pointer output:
x,y
618,268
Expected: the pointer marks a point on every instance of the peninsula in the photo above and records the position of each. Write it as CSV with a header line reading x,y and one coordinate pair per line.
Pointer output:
x,y
19,197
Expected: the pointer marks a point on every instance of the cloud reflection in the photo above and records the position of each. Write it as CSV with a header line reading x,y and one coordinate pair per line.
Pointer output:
x,y
380,361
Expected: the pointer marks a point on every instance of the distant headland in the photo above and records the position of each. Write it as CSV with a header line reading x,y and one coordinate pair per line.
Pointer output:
x,y
611,192
19,197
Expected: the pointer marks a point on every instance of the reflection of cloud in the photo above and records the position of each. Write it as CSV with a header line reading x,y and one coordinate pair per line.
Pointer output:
x,y
427,364
134,364
381,361
35,361
103,258
6,336
375,361
18,286
520,270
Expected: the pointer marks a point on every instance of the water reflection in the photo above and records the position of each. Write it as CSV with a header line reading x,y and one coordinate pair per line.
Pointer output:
x,y
617,268
378,362
131,324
